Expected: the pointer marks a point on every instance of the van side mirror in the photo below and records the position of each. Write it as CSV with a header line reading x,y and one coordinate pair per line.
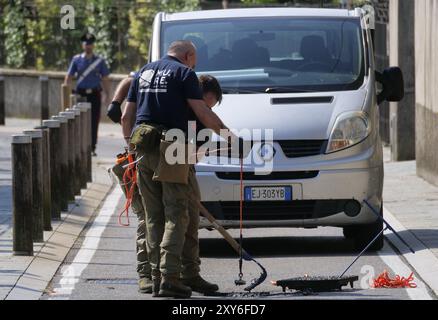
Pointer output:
x,y
393,85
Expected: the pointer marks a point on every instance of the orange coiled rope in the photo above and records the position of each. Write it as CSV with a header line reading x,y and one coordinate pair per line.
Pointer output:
x,y
129,183
385,281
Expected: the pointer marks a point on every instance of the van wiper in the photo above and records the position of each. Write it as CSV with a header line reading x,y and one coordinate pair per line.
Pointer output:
x,y
287,90
240,91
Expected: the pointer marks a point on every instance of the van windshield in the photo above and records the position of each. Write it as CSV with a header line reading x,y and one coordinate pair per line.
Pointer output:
x,y
275,54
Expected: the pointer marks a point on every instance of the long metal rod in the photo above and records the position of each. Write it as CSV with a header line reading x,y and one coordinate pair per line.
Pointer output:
x,y
363,251
388,226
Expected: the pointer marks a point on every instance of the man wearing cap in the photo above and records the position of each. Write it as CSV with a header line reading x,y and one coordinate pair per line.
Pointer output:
x,y
92,76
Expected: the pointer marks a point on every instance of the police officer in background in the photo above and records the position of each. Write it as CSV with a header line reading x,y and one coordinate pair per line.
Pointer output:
x,y
161,95
92,76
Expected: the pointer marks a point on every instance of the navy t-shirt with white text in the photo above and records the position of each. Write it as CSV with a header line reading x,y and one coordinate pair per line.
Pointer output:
x,y
161,89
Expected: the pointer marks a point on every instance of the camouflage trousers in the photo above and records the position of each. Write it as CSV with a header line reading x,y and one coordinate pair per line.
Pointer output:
x,y
172,220
143,266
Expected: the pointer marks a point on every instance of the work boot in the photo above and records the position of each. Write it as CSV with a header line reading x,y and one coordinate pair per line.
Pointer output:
x,y
145,285
200,285
156,280
172,287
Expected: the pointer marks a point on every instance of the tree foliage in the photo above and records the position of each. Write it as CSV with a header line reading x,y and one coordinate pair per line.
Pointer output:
x,y
141,18
31,36
15,34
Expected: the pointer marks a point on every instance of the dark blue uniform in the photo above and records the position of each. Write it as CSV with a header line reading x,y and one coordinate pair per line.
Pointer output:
x,y
89,85
161,89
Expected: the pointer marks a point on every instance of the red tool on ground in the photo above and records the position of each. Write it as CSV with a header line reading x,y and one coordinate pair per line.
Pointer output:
x,y
129,183
385,281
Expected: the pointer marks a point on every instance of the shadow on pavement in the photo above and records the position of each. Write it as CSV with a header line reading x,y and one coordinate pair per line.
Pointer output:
x,y
281,246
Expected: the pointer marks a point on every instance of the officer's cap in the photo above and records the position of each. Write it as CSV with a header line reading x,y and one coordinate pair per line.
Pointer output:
x,y
88,38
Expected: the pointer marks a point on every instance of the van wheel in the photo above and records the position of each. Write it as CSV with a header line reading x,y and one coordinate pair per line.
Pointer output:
x,y
363,234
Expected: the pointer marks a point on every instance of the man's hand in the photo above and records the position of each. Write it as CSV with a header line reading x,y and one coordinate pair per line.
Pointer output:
x,y
241,142
236,144
114,112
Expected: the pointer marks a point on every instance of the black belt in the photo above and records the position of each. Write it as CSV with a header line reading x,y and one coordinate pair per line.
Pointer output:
x,y
84,92
163,130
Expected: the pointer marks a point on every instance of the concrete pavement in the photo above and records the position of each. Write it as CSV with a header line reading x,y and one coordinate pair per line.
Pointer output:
x,y
28,277
411,205
109,250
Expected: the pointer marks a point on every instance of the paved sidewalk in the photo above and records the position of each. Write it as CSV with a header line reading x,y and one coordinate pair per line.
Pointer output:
x,y
412,200
27,277
410,205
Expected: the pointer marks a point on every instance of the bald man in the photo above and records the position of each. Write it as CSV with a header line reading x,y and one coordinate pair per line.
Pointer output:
x,y
159,99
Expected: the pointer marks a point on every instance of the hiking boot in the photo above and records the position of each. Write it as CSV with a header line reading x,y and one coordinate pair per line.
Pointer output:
x,y
172,287
156,280
145,285
200,285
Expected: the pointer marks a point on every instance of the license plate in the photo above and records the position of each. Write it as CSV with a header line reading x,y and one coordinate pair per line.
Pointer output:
x,y
268,193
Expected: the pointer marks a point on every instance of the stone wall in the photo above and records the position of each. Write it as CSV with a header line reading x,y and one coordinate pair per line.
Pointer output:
x,y
382,59
23,92
426,47
402,54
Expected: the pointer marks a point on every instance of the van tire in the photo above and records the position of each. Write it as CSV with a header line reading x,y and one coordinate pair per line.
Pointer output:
x,y
363,234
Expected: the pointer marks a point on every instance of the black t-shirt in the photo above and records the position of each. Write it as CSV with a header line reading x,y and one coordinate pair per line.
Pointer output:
x,y
161,89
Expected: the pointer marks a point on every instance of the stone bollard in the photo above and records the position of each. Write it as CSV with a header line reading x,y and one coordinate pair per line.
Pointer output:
x,y
62,149
55,166
2,101
47,192
37,184
87,106
83,144
22,195
72,121
77,149
44,81
89,140
73,100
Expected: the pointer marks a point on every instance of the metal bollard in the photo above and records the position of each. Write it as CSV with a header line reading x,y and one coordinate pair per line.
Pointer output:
x,y
22,195
47,192
87,105
83,145
44,81
62,149
77,149
37,185
71,152
55,166
2,101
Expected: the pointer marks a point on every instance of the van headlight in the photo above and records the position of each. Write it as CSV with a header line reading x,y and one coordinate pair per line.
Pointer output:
x,y
350,129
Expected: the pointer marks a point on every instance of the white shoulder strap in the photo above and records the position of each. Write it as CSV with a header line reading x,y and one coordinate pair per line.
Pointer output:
x,y
90,68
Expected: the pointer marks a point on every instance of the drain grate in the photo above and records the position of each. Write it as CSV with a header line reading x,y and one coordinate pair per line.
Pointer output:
x,y
128,281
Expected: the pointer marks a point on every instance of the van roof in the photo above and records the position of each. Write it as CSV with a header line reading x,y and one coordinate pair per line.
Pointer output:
x,y
258,12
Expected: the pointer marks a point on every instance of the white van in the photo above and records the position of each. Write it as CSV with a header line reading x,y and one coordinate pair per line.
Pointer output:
x,y
309,75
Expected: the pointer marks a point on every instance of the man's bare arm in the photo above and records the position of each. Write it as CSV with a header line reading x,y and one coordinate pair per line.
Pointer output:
x,y
128,119
122,90
106,86
207,117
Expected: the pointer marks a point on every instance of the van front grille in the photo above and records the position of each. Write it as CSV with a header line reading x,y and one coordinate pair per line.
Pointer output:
x,y
302,148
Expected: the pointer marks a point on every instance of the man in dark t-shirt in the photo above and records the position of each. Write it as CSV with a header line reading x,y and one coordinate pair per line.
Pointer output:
x,y
161,95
